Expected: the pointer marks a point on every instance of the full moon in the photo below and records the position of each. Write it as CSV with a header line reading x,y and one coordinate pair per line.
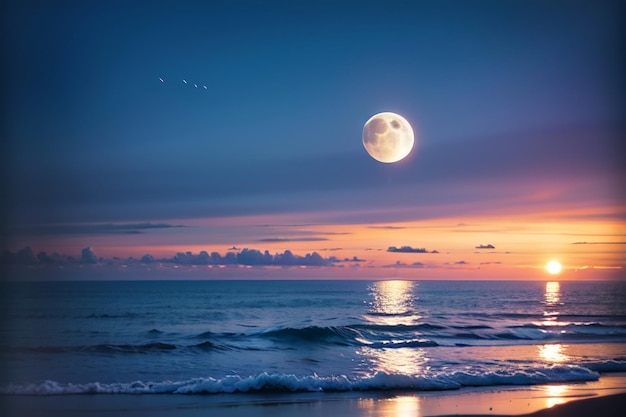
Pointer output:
x,y
554,267
388,137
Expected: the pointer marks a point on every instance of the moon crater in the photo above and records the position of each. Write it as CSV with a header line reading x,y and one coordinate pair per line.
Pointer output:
x,y
388,137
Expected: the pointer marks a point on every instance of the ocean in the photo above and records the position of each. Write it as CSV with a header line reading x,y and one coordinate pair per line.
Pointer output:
x,y
247,337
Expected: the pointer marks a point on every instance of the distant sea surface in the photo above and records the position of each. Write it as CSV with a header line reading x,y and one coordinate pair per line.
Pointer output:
x,y
204,337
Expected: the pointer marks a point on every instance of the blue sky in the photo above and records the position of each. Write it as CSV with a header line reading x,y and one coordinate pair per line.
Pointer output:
x,y
523,92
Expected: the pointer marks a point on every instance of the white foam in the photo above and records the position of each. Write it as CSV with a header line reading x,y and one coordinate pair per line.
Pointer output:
x,y
311,383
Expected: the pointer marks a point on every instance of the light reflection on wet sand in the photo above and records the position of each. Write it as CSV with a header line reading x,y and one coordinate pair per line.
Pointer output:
x,y
481,401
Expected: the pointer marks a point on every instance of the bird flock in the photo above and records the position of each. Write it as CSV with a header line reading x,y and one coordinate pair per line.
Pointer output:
x,y
187,83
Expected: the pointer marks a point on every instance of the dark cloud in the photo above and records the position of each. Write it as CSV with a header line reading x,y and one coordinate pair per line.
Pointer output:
x,y
490,263
88,256
22,257
248,257
408,249
489,246
353,259
147,258
91,229
387,227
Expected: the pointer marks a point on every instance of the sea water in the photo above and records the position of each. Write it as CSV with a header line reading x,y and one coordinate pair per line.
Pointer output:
x,y
203,337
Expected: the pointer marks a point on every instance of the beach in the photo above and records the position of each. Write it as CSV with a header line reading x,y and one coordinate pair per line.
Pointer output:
x,y
605,397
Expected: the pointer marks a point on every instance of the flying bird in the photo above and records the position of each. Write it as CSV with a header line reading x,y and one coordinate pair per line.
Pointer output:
x,y
195,85
161,79
204,87
185,81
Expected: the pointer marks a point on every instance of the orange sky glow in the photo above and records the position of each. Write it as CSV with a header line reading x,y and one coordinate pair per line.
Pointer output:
x,y
588,242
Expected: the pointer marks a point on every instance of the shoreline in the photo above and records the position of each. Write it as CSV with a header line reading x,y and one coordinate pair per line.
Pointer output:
x,y
554,400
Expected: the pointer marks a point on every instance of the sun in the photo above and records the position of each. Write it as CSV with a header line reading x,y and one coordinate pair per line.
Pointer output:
x,y
554,267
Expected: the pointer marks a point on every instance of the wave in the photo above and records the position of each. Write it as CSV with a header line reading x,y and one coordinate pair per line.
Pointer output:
x,y
127,315
341,335
155,347
430,335
358,335
565,331
266,382
540,315
375,336
145,348
398,327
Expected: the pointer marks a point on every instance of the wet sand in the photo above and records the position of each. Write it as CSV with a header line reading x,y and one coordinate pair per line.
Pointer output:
x,y
606,397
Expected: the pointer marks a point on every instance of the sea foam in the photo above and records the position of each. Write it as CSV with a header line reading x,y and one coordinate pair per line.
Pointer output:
x,y
277,382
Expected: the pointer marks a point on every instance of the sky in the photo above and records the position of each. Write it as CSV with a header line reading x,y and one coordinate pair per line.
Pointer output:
x,y
167,128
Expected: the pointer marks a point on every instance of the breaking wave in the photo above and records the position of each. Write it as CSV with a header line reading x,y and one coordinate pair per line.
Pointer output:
x,y
278,382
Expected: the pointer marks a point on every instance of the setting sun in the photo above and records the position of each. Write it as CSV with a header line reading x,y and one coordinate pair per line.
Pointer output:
x,y
554,267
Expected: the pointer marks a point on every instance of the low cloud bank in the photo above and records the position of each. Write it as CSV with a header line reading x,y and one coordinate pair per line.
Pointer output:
x,y
247,257
409,249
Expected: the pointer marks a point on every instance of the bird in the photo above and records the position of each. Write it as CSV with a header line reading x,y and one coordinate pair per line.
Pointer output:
x,y
161,79
185,81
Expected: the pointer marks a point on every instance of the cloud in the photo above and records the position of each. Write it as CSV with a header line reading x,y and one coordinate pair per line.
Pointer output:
x,y
248,257
491,252
147,258
92,229
386,227
490,263
55,258
353,259
599,243
398,264
88,256
416,265
408,249
22,257
489,246
453,264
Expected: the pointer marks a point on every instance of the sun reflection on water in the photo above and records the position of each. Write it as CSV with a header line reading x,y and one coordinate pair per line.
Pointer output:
x,y
553,293
553,353
404,361
392,307
393,299
552,302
